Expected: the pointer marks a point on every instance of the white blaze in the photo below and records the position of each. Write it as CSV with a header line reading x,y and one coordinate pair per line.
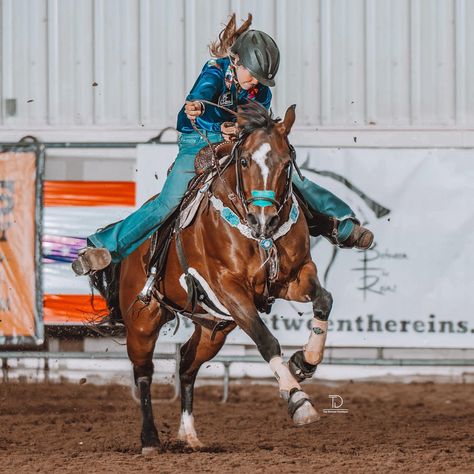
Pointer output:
x,y
260,157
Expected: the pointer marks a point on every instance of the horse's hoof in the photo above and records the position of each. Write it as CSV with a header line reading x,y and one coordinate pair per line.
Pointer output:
x,y
301,409
305,415
150,451
191,441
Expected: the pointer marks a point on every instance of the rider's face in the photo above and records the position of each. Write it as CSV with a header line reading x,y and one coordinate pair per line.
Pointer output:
x,y
244,78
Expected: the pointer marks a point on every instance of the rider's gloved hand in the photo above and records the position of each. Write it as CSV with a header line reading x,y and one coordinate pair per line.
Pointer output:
x,y
193,109
229,131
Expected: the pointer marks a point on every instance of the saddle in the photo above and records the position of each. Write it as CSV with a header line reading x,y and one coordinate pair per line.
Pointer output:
x,y
205,158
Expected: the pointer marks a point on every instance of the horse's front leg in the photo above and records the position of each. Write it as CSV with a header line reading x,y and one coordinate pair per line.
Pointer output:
x,y
307,288
239,302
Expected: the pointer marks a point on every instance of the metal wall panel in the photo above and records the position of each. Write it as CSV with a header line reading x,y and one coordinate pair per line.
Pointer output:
x,y
113,64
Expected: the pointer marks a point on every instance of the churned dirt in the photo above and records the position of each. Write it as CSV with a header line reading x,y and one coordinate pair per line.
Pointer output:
x,y
418,427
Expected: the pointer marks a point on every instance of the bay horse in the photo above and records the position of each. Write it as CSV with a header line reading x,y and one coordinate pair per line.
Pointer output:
x,y
247,245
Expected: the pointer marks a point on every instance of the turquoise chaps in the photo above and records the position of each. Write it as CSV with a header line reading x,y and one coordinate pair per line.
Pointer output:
x,y
122,238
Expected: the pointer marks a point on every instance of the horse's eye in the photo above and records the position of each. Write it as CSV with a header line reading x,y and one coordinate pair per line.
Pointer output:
x,y
244,162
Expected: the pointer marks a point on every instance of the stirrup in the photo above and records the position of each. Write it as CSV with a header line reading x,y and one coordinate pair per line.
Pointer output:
x,y
90,260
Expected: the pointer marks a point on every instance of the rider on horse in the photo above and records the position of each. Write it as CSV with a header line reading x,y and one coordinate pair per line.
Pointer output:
x,y
246,62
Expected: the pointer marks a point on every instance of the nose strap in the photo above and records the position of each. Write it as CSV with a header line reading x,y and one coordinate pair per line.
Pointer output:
x,y
262,198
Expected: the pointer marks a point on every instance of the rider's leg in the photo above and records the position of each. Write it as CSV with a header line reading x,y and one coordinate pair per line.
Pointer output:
x,y
346,229
122,238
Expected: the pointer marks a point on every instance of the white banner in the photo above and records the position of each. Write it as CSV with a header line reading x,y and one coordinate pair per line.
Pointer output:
x,y
415,287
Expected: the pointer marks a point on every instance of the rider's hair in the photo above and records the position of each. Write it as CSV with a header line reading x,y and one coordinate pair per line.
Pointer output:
x,y
221,47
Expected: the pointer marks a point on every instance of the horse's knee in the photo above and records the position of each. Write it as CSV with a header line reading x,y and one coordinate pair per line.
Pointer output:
x,y
322,304
140,346
267,343
144,330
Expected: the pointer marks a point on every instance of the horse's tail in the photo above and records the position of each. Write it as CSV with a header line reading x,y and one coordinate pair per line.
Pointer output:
x,y
107,282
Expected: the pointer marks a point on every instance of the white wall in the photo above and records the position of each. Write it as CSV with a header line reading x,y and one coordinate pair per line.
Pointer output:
x,y
361,65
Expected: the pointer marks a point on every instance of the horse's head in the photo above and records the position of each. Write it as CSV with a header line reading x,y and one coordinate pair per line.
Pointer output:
x,y
264,166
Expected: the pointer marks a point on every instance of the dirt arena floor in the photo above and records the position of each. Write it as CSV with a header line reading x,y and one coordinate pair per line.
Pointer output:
x,y
418,427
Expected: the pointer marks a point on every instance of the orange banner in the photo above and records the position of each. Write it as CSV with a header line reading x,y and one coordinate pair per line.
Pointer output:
x,y
73,309
89,193
18,310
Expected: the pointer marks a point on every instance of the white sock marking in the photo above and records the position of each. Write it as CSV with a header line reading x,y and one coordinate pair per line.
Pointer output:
x,y
186,427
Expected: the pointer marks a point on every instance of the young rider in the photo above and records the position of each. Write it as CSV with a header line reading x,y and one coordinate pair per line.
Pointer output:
x,y
246,62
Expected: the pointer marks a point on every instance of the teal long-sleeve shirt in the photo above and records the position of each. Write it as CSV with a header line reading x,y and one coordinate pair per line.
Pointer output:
x,y
215,84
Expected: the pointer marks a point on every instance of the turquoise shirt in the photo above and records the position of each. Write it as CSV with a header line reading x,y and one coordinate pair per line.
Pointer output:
x,y
215,83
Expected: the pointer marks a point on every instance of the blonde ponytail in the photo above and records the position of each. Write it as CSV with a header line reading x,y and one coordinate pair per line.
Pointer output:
x,y
221,47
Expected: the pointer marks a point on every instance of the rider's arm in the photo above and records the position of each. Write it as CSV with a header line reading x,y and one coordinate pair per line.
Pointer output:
x,y
208,85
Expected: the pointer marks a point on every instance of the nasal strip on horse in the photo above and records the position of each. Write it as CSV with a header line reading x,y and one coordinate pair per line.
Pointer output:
x,y
245,245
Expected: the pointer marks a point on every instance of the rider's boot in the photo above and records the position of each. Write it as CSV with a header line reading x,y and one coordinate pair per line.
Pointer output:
x,y
360,237
90,260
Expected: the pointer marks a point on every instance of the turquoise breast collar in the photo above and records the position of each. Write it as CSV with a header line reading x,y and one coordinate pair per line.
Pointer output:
x,y
233,220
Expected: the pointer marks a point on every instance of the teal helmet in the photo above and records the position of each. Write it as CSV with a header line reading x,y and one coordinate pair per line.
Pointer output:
x,y
258,53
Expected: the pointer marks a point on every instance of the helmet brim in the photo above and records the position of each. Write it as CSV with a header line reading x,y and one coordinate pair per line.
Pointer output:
x,y
266,82
262,80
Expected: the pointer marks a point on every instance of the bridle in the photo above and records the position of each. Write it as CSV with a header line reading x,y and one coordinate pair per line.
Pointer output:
x,y
259,196
236,158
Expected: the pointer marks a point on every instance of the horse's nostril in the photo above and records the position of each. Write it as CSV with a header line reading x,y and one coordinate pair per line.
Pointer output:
x,y
273,222
253,221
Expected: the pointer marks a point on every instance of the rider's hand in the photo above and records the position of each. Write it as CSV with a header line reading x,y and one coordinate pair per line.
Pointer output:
x,y
229,131
193,109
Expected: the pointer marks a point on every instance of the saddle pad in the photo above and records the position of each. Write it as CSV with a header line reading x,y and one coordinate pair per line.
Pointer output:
x,y
188,213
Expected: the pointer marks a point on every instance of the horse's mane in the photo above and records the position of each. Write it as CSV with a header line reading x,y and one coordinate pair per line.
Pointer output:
x,y
254,116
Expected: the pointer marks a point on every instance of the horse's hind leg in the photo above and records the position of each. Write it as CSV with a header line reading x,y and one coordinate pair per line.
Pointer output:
x,y
143,326
200,348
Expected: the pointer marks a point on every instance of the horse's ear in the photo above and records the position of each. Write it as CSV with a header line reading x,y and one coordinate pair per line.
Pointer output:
x,y
288,121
